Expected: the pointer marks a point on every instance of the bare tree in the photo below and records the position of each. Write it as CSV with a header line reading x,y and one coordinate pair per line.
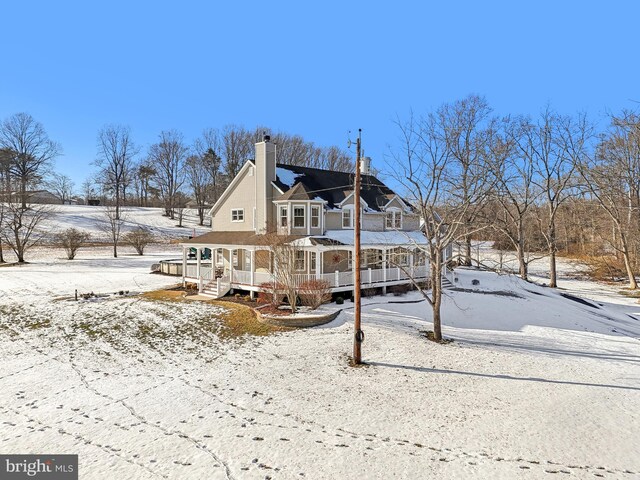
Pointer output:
x,y
557,144
430,174
612,177
513,164
115,157
467,130
199,178
61,186
168,157
143,174
286,255
89,192
208,147
237,145
30,149
113,222
22,227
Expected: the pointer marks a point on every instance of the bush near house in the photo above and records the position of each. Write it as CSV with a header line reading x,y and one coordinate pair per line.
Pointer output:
x,y
314,293
271,293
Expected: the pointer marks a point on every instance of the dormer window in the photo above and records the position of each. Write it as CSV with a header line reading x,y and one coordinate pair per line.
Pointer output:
x,y
315,216
394,219
298,216
347,217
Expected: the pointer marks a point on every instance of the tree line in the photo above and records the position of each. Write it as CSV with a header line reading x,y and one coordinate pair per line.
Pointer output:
x,y
537,185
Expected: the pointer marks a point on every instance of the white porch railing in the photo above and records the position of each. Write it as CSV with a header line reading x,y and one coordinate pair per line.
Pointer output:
x,y
368,276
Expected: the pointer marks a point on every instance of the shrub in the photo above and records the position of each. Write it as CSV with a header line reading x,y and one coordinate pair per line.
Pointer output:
x,y
271,293
71,240
399,290
138,239
369,292
314,293
339,300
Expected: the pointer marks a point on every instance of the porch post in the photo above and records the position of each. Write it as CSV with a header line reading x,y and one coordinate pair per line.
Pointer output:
x,y
253,266
184,266
412,267
318,260
198,271
231,250
384,271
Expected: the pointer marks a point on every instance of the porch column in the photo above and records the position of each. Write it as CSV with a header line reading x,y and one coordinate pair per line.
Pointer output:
x,y
412,267
384,271
318,263
231,250
198,271
253,266
184,266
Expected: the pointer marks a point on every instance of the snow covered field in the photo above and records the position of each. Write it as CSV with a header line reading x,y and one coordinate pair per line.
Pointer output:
x,y
534,385
91,219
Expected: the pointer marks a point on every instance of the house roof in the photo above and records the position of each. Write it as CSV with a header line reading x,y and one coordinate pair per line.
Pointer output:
x,y
331,186
298,192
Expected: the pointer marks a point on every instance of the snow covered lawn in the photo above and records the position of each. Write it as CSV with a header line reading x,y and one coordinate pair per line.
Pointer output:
x,y
533,385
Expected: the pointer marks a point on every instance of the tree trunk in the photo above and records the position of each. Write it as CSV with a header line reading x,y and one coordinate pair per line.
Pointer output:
x,y
23,193
115,251
201,215
1,253
633,284
553,276
467,251
436,289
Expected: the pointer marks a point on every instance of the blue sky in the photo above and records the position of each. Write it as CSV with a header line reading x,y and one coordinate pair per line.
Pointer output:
x,y
318,69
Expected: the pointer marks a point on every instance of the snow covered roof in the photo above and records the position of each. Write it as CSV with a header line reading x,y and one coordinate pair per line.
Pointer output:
x,y
331,186
345,237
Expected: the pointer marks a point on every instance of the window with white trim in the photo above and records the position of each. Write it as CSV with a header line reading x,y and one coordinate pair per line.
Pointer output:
x,y
315,216
298,216
347,217
234,256
299,260
312,261
237,215
349,260
284,215
394,219
247,260
219,257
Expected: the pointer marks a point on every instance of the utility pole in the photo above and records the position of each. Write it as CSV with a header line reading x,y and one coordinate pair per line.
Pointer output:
x,y
358,334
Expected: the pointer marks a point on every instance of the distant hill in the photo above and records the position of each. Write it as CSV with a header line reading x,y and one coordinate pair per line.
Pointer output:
x,y
91,219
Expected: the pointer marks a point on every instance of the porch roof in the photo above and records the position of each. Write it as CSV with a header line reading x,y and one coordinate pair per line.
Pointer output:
x,y
345,237
233,238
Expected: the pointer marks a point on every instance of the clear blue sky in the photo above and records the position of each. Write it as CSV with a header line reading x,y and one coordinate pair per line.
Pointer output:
x,y
317,69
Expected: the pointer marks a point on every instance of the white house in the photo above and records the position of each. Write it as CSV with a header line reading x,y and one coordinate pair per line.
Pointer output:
x,y
315,209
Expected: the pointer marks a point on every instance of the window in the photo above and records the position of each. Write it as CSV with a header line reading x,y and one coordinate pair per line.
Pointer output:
x,y
349,260
237,215
298,216
234,256
347,218
394,219
247,260
315,216
283,215
299,260
312,261
219,257
399,257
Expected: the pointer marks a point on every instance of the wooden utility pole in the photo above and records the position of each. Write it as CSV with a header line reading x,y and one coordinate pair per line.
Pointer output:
x,y
358,335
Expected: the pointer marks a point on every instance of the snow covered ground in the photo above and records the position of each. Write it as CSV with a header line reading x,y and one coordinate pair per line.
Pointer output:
x,y
534,384
91,219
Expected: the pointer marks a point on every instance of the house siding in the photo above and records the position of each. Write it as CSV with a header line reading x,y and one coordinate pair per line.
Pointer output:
x,y
243,196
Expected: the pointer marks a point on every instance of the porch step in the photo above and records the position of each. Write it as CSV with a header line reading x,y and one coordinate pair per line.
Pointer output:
x,y
446,284
211,290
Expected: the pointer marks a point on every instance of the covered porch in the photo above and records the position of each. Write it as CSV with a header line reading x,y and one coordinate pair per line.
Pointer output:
x,y
219,268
